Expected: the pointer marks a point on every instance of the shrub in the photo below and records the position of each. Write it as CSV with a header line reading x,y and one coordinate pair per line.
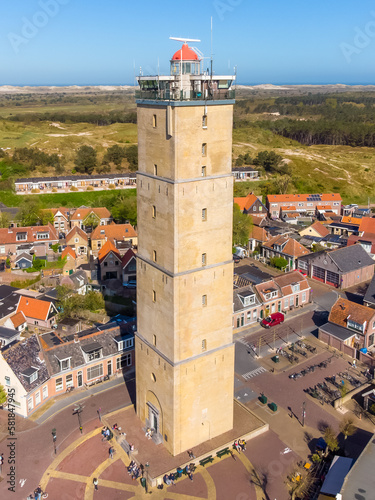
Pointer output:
x,y
316,458
112,186
35,191
54,190
73,188
89,188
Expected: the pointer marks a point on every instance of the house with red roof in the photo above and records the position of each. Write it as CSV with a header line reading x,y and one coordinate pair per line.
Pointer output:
x,y
17,322
110,262
78,240
283,293
304,203
129,267
85,216
251,204
39,313
15,240
123,236
286,247
60,218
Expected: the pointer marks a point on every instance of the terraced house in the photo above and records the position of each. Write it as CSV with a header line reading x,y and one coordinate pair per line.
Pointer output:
x,y
15,240
306,204
283,293
44,367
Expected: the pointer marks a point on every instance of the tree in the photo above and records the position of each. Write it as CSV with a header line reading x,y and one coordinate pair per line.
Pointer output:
x,y
241,226
126,209
85,161
278,262
30,212
55,247
271,162
46,216
114,154
3,395
347,428
4,218
91,220
331,439
131,154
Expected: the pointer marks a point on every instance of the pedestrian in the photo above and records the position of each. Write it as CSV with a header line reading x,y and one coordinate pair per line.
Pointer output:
x,y
242,443
111,451
1,462
99,414
191,454
237,446
95,483
179,472
354,363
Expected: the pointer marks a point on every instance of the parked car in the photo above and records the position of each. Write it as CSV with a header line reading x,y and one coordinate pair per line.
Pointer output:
x,y
272,320
130,284
236,259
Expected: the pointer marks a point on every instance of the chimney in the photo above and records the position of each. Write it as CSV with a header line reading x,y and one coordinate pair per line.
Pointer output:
x,y
76,339
27,302
10,230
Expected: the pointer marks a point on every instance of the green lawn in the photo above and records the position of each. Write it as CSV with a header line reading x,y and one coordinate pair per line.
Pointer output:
x,y
89,198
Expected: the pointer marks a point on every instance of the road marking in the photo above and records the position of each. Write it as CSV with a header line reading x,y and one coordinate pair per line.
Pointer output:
x,y
253,373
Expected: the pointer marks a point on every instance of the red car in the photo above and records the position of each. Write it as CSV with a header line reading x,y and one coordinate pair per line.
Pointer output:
x,y
272,320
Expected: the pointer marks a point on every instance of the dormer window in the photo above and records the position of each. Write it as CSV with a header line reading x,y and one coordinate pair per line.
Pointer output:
x,y
42,236
270,295
92,351
30,374
64,364
355,326
124,343
21,236
295,287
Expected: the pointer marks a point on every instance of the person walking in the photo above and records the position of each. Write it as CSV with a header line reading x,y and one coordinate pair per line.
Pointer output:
x,y
1,462
111,451
95,483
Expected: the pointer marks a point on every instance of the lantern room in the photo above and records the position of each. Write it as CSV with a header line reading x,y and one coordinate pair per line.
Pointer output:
x,y
186,62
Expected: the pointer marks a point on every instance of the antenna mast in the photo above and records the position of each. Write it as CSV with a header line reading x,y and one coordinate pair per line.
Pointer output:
x,y
211,49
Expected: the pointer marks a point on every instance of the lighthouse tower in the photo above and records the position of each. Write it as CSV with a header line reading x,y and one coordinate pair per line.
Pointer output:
x,y
184,346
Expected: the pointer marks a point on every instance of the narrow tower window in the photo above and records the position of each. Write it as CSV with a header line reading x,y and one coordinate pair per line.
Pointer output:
x,y
153,212
154,256
204,214
204,300
155,170
204,149
153,296
204,259
154,122
154,342
204,121
204,345
203,171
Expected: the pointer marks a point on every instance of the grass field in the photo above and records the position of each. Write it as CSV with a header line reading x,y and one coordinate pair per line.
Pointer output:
x,y
348,170
90,198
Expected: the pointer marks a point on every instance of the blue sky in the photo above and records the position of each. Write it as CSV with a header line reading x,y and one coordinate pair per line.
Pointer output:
x,y
59,42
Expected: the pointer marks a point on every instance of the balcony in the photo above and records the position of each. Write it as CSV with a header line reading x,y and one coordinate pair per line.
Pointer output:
x,y
181,95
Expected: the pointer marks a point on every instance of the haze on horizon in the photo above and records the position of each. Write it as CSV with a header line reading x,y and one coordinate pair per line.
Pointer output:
x,y
67,42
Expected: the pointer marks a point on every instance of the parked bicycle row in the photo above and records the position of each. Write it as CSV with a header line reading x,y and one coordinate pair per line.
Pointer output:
x,y
335,386
310,369
301,348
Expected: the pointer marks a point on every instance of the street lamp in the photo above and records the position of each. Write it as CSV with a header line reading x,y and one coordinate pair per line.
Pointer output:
x,y
77,411
147,465
54,437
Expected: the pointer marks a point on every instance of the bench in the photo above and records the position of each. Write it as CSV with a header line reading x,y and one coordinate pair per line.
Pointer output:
x,y
206,460
223,452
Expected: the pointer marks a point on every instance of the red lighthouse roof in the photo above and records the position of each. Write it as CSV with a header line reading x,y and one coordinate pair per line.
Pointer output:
x,y
187,54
